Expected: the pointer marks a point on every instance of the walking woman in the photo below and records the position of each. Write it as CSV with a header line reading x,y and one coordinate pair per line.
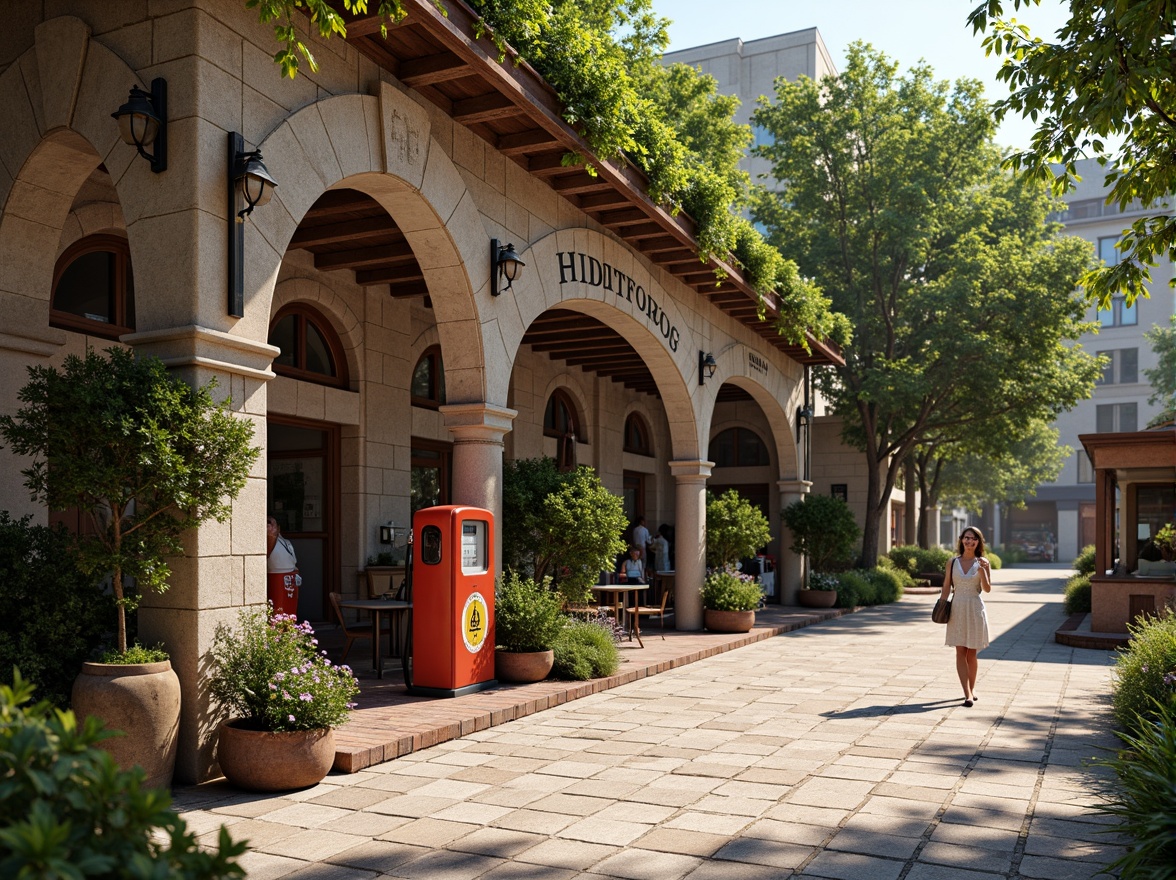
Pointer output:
x,y
969,576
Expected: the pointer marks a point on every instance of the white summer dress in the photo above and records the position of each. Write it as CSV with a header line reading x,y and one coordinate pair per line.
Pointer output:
x,y
968,627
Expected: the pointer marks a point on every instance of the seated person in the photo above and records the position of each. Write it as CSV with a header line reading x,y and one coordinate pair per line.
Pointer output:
x,y
632,570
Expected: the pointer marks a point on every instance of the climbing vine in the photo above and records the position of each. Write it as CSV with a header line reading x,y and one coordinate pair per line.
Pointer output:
x,y
603,60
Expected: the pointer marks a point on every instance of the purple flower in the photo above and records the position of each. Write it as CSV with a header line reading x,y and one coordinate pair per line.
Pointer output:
x,y
1143,669
306,698
273,687
290,718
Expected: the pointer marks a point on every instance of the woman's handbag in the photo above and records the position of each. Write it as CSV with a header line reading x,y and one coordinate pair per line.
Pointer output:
x,y
941,613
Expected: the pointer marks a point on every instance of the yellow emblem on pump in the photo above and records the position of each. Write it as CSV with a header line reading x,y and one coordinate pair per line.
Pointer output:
x,y
475,620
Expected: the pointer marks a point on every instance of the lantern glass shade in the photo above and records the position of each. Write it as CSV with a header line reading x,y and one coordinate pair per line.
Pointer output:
x,y
510,266
255,183
138,129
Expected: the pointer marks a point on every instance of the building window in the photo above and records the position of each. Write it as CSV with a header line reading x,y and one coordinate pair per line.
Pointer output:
x,y
560,418
637,436
761,137
94,288
310,350
738,447
431,465
1122,367
1117,418
1119,314
1085,467
428,380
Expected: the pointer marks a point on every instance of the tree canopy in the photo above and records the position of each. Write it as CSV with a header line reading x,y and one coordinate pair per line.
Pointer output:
x,y
1163,377
1106,77
890,195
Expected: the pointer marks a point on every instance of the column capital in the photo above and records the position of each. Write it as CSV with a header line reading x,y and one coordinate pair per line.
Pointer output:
x,y
796,487
196,346
691,471
477,422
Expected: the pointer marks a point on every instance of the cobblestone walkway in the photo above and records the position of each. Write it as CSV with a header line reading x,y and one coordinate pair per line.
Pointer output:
x,y
837,751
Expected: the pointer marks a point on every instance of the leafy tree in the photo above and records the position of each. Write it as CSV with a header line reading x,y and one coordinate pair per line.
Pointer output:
x,y
1005,461
1163,377
566,526
962,299
1107,76
823,529
143,455
735,529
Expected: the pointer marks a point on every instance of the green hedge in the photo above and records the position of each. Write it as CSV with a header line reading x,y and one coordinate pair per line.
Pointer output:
x,y
585,650
54,616
877,586
1084,561
918,560
1144,671
1078,594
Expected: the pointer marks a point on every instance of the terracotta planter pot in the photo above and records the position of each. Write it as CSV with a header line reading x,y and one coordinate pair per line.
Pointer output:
x,y
262,760
728,621
523,667
143,701
816,598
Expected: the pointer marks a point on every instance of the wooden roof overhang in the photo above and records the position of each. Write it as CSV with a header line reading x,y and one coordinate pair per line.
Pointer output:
x,y
1136,451
510,106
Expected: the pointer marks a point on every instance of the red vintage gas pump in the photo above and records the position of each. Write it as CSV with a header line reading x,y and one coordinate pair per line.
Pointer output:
x,y
452,584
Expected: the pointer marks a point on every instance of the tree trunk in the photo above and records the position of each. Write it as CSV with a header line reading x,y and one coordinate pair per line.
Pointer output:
x,y
874,510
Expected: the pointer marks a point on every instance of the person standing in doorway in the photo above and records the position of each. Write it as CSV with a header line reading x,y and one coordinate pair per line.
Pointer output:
x,y
969,576
282,579
641,539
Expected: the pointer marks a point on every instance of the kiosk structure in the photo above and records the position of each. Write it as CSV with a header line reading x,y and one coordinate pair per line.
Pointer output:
x,y
453,601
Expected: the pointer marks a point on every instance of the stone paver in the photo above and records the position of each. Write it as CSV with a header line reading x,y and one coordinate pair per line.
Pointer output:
x,y
837,751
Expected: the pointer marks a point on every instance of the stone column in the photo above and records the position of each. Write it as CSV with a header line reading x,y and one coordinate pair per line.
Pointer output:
x,y
790,571
478,429
223,566
690,541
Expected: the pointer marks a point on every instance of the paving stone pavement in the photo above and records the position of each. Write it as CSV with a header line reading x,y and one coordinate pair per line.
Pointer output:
x,y
837,751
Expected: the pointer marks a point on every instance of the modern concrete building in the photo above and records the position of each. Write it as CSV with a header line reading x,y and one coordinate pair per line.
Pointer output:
x,y
1065,509
359,319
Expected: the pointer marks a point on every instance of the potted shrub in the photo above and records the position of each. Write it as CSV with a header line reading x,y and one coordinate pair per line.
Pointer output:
x,y
144,457
821,592
1165,541
729,601
735,529
286,698
824,530
527,624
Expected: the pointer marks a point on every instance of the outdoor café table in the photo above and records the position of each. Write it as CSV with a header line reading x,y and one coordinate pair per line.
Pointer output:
x,y
378,607
619,594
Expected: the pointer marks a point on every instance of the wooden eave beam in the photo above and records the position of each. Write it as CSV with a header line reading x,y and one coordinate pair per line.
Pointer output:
x,y
364,257
311,235
442,67
389,274
524,143
408,289
484,108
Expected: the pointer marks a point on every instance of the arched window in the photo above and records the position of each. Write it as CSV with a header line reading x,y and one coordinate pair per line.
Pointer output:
x,y
428,379
560,417
738,447
310,349
93,287
637,436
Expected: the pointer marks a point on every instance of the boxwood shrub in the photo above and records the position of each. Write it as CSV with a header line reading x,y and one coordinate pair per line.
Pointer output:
x,y
585,650
1145,670
1084,561
918,560
1078,594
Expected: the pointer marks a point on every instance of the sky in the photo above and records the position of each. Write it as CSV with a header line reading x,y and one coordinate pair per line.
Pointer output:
x,y
935,31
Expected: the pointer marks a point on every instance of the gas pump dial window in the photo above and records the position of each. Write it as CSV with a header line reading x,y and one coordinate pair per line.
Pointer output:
x,y
473,547
431,545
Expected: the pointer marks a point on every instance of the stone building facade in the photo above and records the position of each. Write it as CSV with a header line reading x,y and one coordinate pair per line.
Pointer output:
x,y
377,367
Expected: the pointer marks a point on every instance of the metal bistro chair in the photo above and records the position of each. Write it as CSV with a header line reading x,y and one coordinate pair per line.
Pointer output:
x,y
638,611
355,631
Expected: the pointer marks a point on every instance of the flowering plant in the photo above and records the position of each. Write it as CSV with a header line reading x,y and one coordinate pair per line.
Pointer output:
x,y
823,581
726,589
270,670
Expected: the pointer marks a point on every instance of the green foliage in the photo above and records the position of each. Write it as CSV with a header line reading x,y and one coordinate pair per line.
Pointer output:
x,y
994,561
144,455
1084,561
585,650
728,590
735,529
1145,671
1163,377
566,526
823,529
888,584
890,196
671,122
527,615
135,653
67,811
1104,79
875,586
1078,594
54,615
269,669
920,560
1143,801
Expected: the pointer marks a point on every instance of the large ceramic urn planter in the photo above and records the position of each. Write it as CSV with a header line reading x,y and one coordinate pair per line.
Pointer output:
x,y
816,598
143,701
523,667
265,760
728,621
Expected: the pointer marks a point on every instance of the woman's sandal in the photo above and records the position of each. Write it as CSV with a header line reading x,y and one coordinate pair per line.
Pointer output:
x,y
967,704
